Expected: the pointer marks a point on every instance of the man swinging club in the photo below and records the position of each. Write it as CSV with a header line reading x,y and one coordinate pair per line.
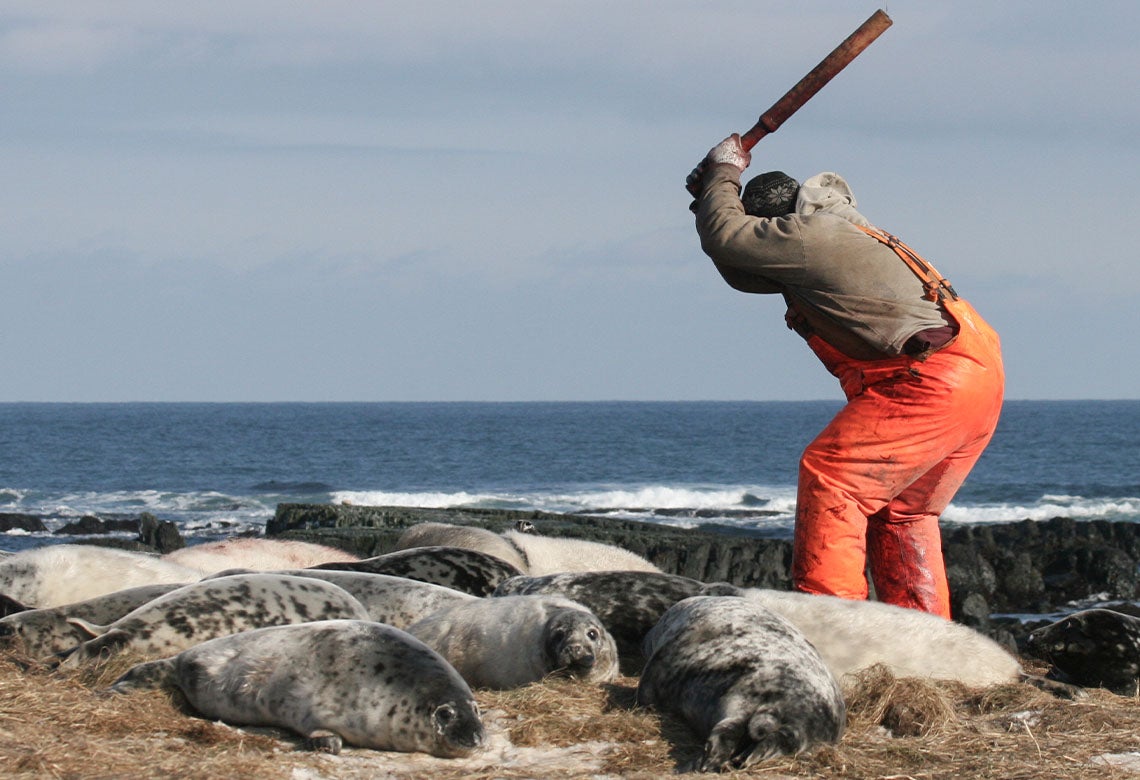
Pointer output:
x,y
921,371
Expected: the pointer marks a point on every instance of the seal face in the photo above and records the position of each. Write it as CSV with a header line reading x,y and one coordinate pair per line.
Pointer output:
x,y
1094,648
204,610
743,677
334,681
628,603
470,571
511,641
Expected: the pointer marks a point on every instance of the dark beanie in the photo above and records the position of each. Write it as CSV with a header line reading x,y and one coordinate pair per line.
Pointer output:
x,y
770,194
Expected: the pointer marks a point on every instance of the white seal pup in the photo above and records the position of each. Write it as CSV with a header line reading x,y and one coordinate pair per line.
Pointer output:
x,y
334,681
397,601
256,553
40,633
514,640
1097,648
628,603
554,554
204,610
466,536
853,635
470,571
65,573
743,677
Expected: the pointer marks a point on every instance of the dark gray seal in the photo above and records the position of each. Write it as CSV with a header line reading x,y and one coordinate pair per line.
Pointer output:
x,y
510,641
628,603
743,677
40,633
204,610
470,571
1097,648
334,681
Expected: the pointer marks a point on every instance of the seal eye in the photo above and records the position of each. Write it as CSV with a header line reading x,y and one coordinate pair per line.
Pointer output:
x,y
592,634
557,634
444,714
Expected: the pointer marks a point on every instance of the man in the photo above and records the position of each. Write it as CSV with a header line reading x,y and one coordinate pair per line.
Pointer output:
x,y
921,371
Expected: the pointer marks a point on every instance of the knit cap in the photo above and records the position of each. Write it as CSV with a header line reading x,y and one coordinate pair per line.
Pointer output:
x,y
771,194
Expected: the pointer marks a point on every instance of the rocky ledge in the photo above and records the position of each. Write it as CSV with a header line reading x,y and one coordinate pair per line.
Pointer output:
x,y
997,572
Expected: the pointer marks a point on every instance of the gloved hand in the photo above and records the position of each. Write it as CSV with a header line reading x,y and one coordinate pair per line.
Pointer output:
x,y
728,151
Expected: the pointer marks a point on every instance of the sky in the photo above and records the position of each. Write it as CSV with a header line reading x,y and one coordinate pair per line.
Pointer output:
x,y
484,201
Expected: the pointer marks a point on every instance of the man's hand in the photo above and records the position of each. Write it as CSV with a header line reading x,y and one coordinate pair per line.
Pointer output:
x,y
729,151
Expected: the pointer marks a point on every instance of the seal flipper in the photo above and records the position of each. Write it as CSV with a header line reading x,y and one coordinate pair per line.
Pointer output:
x,y
145,676
9,606
323,741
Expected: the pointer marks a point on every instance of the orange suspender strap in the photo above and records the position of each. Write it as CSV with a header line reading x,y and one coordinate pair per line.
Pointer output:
x,y
936,286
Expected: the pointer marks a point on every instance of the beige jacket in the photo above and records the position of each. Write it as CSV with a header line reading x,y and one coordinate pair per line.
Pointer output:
x,y
853,290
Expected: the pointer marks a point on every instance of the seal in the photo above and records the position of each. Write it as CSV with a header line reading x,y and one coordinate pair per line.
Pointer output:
x,y
65,573
551,554
333,682
9,606
466,536
40,633
853,635
255,553
470,571
510,641
743,677
628,603
397,601
204,610
1097,648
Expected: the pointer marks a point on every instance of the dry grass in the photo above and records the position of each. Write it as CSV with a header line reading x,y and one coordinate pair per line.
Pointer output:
x,y
56,725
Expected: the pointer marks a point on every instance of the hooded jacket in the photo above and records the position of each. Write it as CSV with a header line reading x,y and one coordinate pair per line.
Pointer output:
x,y
852,290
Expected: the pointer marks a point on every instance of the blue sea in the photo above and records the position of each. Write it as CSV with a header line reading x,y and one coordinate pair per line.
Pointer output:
x,y
219,469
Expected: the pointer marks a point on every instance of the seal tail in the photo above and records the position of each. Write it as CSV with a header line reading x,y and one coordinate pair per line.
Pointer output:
x,y
146,676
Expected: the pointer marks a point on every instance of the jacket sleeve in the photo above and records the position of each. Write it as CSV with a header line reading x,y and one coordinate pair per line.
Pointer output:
x,y
753,254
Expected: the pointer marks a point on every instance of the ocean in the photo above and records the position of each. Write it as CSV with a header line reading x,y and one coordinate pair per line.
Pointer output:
x,y
217,469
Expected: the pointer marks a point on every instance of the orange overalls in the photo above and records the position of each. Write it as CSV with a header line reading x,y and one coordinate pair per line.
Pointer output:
x,y
873,483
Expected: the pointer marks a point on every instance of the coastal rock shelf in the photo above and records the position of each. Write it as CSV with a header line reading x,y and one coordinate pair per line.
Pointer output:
x,y
1026,567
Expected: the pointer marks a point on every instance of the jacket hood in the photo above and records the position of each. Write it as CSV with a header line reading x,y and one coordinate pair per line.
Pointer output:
x,y
829,193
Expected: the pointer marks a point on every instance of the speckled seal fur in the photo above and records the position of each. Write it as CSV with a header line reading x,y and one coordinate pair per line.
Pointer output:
x,y
333,682
628,603
204,610
470,571
1097,648
397,601
40,633
743,677
510,641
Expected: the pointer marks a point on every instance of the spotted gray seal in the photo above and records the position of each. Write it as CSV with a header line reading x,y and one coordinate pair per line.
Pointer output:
x,y
470,571
1095,648
628,603
40,633
204,610
357,682
397,601
468,537
743,677
510,641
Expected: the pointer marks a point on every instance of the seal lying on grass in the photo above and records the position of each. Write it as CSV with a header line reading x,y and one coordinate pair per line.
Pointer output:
x,y
743,677
514,640
211,608
1095,647
44,632
470,571
332,682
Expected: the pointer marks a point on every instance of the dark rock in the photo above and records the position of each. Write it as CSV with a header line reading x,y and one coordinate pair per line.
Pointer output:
x,y
89,525
162,536
17,521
